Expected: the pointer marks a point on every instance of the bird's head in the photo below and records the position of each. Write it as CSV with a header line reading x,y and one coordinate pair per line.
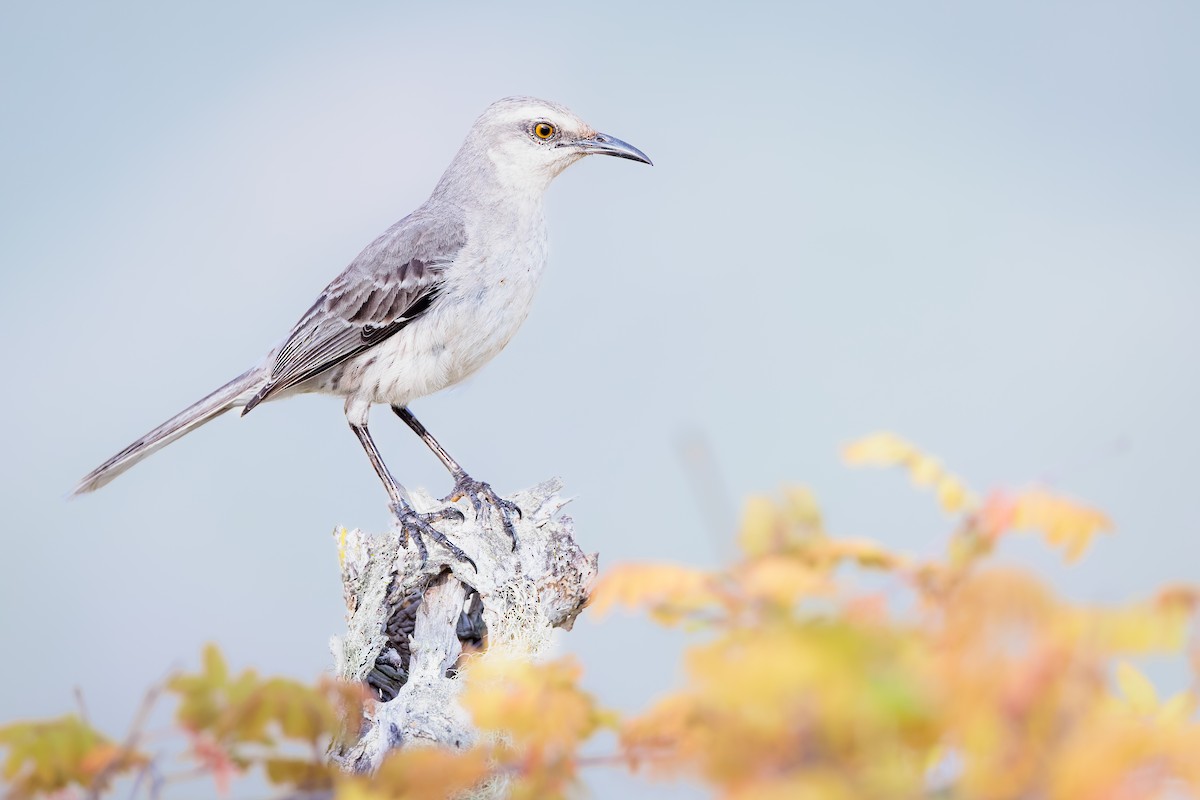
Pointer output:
x,y
530,141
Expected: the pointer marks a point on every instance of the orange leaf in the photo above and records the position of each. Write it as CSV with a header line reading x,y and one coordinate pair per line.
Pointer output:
x,y
671,589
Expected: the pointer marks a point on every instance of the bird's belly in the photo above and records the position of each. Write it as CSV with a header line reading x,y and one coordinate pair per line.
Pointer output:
x,y
461,333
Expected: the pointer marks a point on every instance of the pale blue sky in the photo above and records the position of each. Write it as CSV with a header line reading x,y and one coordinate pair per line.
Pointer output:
x,y
974,224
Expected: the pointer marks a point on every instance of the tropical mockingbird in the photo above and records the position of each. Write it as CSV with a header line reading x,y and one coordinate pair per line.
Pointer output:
x,y
426,304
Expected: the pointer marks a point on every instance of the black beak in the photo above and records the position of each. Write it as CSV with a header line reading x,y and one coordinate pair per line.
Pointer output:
x,y
605,145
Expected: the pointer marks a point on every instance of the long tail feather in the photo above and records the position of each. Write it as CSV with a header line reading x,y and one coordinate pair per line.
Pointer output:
x,y
231,395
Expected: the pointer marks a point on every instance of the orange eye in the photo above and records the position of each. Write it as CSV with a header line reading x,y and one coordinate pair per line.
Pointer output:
x,y
543,130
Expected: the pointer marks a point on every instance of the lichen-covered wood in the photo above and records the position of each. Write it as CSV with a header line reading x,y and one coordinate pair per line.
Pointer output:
x,y
409,623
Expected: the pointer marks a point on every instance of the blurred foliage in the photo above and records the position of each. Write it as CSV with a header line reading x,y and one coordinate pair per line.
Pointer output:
x,y
953,678
43,757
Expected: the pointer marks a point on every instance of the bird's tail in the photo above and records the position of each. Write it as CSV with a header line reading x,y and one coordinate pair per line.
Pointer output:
x,y
231,395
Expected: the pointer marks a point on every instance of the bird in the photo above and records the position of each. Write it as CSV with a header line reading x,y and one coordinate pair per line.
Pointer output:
x,y
423,306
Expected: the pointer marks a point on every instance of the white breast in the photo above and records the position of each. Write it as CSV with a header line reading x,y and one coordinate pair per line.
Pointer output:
x,y
486,297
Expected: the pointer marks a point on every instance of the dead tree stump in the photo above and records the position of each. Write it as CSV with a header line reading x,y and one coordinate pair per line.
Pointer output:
x,y
409,624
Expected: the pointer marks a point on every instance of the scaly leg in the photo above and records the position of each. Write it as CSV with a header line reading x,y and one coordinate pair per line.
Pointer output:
x,y
411,523
464,484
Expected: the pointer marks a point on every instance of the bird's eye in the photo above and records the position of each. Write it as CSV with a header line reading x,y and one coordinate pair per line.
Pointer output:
x,y
543,130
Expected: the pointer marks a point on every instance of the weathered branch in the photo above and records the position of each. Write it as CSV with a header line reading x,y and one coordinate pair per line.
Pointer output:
x,y
409,623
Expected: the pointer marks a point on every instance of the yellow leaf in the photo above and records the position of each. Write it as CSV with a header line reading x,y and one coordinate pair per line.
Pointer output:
x,y
1138,629
539,706
1178,709
802,510
889,450
952,494
1137,689
299,773
672,590
776,527
864,552
762,527
420,773
47,757
925,470
214,665
1064,523
780,580
822,784
878,450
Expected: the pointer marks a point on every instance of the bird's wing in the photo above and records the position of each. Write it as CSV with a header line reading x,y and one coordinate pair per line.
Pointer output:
x,y
383,290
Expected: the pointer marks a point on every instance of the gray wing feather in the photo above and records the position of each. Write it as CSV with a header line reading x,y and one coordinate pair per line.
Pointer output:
x,y
391,283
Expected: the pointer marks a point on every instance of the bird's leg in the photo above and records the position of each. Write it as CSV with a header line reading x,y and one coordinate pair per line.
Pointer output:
x,y
464,484
411,522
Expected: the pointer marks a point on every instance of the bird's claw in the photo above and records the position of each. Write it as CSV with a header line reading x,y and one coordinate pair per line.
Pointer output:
x,y
477,492
417,525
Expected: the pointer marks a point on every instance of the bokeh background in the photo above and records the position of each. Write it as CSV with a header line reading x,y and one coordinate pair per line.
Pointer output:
x,y
974,224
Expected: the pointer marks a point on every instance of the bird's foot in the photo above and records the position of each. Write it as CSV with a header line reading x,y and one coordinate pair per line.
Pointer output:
x,y
418,526
477,492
